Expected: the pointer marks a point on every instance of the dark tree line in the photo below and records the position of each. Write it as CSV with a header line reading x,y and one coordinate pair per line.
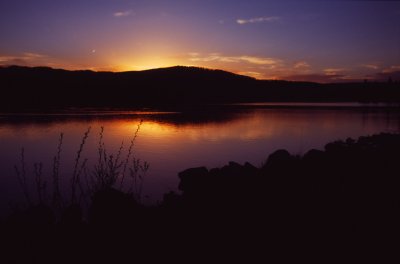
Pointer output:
x,y
175,87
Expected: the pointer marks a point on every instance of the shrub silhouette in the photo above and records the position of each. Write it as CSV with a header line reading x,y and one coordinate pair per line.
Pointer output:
x,y
87,184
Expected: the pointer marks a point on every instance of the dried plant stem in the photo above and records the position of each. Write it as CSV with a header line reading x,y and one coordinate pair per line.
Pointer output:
x,y
40,184
75,175
22,177
104,175
130,153
56,167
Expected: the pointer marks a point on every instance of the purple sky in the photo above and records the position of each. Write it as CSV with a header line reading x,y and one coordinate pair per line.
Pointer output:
x,y
296,40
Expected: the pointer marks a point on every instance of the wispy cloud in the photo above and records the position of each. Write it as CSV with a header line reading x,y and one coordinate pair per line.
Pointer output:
x,y
330,75
301,65
327,75
233,59
123,13
259,60
32,55
25,59
316,77
257,20
276,68
370,66
392,68
251,74
384,76
334,71
5,59
106,68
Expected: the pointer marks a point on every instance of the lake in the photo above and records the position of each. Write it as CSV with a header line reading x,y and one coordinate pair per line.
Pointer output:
x,y
174,141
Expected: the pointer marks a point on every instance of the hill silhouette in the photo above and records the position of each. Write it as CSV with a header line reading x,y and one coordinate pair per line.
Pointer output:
x,y
179,86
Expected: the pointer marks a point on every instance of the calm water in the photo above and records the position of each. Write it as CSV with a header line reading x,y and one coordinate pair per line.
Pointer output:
x,y
172,142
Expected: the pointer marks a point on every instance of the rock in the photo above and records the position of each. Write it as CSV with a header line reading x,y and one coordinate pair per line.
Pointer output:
x,y
313,155
192,179
279,158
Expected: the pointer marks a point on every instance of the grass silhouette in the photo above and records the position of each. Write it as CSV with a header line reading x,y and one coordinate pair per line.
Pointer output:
x,y
110,171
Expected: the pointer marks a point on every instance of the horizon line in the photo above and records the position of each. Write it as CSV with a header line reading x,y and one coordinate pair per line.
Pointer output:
x,y
197,67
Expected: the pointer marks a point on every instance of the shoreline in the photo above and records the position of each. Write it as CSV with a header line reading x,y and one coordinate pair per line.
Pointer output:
x,y
347,191
346,194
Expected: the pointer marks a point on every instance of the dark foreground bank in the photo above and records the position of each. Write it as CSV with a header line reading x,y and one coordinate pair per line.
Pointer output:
x,y
340,204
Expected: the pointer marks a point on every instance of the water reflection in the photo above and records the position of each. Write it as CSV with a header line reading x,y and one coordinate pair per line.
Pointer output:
x,y
172,142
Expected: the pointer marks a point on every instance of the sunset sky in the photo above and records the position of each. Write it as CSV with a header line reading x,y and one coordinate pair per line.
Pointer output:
x,y
321,41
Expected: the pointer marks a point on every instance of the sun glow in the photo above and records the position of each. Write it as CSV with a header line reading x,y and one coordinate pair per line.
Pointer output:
x,y
148,128
147,64
150,66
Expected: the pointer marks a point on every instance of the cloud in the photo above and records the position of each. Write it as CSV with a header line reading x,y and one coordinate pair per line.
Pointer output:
x,y
333,71
259,60
254,74
301,65
216,57
106,68
370,66
386,76
25,59
393,73
6,59
123,13
344,75
316,77
257,20
327,75
391,69
31,55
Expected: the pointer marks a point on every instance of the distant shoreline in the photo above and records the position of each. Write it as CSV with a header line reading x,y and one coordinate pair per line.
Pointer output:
x,y
104,111
47,89
218,112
